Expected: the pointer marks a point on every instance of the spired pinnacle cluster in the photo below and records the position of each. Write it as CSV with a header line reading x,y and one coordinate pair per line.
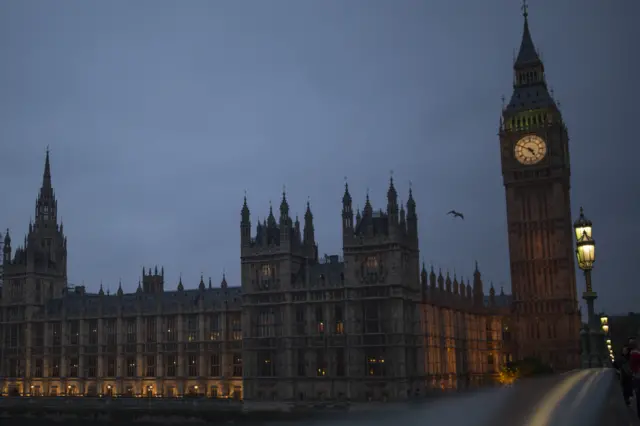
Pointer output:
x,y
396,223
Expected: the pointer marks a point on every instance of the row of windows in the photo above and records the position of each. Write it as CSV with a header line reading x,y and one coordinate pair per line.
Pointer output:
x,y
129,367
14,334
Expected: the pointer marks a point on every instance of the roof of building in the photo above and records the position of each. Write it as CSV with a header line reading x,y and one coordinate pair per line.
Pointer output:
x,y
84,304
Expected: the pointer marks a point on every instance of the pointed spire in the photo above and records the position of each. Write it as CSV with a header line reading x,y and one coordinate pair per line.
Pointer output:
x,y
368,210
392,197
271,220
120,292
527,54
101,291
139,290
309,238
46,176
501,291
411,203
223,284
346,198
201,286
423,275
244,213
180,286
284,207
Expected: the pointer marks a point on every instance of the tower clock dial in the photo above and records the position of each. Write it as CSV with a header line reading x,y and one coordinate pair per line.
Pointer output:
x,y
531,149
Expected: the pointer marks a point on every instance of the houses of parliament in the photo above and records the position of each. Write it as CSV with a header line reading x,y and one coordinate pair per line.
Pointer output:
x,y
371,324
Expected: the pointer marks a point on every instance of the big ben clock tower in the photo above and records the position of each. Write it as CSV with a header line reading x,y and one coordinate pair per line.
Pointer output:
x,y
534,146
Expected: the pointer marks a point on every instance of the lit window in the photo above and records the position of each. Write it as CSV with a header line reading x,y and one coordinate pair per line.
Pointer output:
x,y
266,270
372,262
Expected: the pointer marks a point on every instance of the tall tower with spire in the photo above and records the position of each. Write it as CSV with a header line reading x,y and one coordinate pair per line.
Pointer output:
x,y
536,173
38,269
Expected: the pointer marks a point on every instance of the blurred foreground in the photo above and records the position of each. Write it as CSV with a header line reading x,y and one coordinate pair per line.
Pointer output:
x,y
585,398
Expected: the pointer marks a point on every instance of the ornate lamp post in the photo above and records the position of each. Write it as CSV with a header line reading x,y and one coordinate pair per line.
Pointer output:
x,y
586,254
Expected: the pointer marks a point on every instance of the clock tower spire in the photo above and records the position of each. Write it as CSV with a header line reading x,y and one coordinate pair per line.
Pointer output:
x,y
536,174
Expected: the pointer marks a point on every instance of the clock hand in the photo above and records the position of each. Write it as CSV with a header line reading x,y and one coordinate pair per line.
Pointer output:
x,y
531,150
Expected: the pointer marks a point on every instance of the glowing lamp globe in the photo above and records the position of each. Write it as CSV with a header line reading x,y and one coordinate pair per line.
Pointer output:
x,y
586,253
582,227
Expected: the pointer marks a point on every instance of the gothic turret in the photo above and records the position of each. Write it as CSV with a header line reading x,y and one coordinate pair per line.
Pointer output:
x,y
201,285
152,281
285,221
347,214
7,248
432,279
44,253
412,218
478,292
224,284
309,239
392,206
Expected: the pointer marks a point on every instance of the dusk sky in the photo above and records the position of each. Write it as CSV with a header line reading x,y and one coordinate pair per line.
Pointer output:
x,y
160,114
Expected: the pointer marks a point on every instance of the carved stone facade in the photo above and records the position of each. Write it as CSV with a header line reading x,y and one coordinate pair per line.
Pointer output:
x,y
364,326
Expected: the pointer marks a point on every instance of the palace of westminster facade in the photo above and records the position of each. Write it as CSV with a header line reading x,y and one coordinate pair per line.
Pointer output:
x,y
370,325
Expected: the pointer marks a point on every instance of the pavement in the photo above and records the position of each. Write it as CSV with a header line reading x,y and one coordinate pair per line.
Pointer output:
x,y
579,398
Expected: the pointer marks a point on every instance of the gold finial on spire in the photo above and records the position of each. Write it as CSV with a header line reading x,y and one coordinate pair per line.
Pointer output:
x,y
525,8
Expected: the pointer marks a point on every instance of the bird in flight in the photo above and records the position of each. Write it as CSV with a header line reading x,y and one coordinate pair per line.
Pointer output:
x,y
456,214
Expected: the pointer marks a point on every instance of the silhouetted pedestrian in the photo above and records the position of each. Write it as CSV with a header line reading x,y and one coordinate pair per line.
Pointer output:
x,y
623,366
634,361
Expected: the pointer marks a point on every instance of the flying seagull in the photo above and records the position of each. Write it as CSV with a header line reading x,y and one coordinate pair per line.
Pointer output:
x,y
456,214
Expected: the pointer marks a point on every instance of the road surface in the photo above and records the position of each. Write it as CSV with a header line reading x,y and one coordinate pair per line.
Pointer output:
x,y
580,398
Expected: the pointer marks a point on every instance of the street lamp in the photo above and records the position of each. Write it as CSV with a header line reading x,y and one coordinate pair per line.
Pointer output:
x,y
586,254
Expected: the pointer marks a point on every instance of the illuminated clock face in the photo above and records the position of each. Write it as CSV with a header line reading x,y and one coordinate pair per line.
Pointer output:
x,y
531,149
